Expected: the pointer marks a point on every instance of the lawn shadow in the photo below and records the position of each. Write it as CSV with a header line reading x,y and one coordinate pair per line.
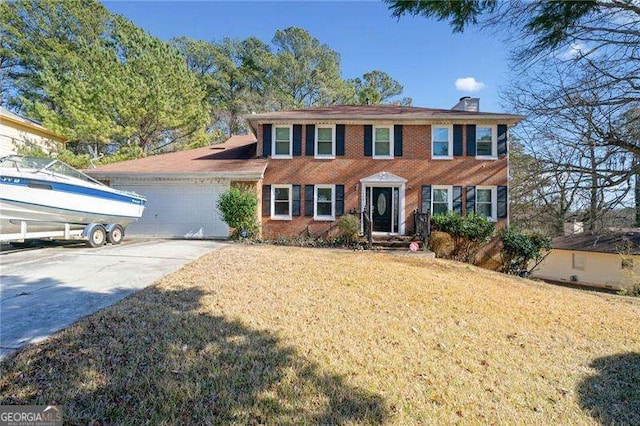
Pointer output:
x,y
613,395
158,357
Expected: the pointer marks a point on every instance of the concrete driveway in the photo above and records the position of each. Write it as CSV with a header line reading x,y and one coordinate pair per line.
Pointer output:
x,y
45,289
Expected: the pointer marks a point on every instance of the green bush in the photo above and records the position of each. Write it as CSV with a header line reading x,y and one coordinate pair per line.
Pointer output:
x,y
519,249
238,208
469,233
349,227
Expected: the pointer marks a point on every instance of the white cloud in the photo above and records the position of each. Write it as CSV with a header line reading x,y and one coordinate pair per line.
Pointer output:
x,y
573,51
469,84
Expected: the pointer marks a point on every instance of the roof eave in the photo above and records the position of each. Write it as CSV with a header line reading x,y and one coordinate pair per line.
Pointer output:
x,y
37,128
254,119
246,175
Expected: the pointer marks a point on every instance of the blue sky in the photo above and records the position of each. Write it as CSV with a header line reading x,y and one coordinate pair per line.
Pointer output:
x,y
423,55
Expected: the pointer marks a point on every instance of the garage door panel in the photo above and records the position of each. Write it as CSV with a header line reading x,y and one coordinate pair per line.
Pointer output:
x,y
186,210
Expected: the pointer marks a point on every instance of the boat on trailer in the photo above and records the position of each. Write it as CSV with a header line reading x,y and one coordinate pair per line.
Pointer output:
x,y
46,198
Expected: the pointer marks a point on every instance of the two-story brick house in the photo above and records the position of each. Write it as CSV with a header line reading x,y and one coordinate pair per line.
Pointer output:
x,y
324,162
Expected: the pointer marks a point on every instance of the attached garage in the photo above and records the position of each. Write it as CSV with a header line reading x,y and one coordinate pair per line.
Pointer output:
x,y
182,188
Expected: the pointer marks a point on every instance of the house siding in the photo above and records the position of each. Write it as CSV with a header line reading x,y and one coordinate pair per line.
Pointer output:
x,y
415,165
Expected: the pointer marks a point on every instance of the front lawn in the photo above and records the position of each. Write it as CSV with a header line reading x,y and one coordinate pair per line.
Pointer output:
x,y
262,334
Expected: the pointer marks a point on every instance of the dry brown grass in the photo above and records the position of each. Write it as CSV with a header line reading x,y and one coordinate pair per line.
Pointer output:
x,y
289,335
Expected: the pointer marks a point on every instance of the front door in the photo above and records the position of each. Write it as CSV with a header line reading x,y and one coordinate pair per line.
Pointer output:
x,y
381,204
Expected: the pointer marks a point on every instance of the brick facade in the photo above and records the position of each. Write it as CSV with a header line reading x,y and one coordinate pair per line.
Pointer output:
x,y
415,165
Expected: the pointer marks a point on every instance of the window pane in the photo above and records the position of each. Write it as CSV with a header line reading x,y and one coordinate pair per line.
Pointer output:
x,y
382,148
484,196
325,148
484,209
382,134
281,194
324,194
282,134
441,196
323,209
483,148
441,148
282,208
441,134
324,134
282,148
483,134
440,208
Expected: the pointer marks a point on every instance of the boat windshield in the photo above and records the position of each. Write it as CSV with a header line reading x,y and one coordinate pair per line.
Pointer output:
x,y
44,165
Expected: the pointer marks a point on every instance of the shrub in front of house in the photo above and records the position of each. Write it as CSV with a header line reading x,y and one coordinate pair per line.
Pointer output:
x,y
440,243
522,252
349,229
238,209
469,233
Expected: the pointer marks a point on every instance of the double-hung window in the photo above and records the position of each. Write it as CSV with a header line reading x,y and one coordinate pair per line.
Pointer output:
x,y
325,141
442,142
281,202
486,141
324,202
383,142
282,142
486,203
441,199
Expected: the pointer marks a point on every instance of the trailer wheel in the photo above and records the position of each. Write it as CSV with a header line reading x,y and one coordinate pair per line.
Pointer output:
x,y
97,236
115,234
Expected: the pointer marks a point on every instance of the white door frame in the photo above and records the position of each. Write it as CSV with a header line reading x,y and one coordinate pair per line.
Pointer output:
x,y
386,180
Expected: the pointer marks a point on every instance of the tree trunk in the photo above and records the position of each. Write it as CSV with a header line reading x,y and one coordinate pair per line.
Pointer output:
x,y
636,167
593,196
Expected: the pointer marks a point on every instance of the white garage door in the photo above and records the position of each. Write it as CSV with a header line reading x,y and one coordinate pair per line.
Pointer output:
x,y
185,209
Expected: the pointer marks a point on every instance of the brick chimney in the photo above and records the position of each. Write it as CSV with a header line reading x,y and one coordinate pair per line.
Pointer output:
x,y
467,103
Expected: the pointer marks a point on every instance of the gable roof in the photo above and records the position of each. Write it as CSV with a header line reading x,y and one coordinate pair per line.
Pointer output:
x,y
396,113
626,241
233,158
7,116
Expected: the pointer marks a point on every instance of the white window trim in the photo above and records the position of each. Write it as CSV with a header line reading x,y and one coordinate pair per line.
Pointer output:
x,y
273,142
273,202
494,142
450,132
333,203
333,142
494,201
449,189
391,143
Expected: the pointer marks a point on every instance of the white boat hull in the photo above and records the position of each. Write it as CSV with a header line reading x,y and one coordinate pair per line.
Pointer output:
x,y
47,206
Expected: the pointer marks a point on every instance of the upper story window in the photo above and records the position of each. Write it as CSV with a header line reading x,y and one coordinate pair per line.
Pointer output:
x,y
383,142
282,142
324,202
281,202
486,141
442,142
325,142
486,202
441,199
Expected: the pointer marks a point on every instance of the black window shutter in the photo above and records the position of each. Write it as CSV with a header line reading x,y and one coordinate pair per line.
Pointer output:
x,y
266,200
295,200
310,139
457,199
502,140
339,200
503,199
457,140
266,140
471,199
426,199
397,140
339,139
297,139
308,200
368,140
471,140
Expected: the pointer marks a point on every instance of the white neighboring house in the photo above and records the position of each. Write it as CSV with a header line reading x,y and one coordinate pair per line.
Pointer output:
x,y
17,131
608,259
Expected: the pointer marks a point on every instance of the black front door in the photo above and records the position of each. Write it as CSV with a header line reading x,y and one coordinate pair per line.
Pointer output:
x,y
381,205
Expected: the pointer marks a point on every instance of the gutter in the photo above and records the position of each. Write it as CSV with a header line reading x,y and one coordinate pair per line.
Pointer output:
x,y
218,175
36,128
